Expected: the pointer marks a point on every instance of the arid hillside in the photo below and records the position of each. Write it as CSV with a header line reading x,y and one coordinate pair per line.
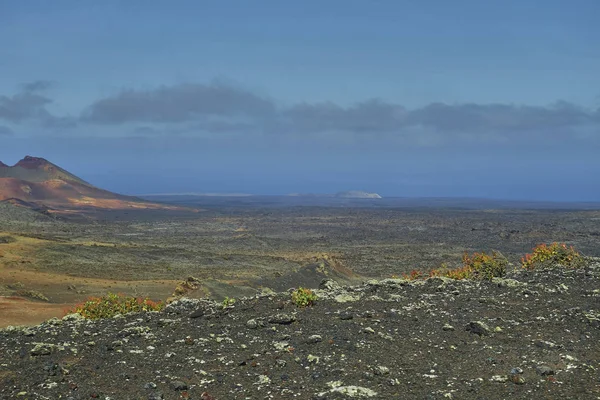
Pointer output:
x,y
40,183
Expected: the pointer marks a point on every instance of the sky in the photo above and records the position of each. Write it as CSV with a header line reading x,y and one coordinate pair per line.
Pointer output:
x,y
496,99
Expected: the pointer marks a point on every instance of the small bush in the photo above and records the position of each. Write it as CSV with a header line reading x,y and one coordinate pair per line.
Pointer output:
x,y
464,272
112,304
546,256
303,297
186,286
414,274
476,266
485,266
228,302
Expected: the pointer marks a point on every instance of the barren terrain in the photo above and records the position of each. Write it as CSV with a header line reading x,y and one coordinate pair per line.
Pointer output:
x,y
530,335
236,249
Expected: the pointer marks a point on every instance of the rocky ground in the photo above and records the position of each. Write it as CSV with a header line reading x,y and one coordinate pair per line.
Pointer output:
x,y
530,335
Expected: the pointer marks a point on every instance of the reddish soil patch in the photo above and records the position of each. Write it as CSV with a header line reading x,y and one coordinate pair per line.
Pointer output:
x,y
19,311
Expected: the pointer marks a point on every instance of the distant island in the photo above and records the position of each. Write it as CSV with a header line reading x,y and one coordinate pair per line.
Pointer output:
x,y
357,194
350,194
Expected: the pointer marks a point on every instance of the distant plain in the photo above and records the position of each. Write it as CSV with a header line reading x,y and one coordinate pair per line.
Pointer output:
x,y
235,246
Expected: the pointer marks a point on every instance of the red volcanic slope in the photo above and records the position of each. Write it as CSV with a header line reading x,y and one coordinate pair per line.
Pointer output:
x,y
53,190
36,180
32,162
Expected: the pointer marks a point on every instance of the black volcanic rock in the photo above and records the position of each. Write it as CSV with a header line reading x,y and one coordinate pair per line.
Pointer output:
x,y
395,347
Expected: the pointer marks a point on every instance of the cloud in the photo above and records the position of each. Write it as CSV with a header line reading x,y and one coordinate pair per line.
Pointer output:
x,y
499,117
145,131
378,116
218,108
30,106
369,116
23,106
179,103
36,86
5,131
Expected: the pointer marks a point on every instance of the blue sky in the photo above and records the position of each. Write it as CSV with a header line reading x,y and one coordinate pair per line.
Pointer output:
x,y
431,98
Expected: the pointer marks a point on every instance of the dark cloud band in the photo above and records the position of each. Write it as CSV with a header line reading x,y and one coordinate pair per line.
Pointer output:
x,y
218,108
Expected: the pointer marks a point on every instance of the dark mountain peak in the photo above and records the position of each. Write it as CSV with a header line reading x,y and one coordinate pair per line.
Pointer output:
x,y
2,164
30,162
37,169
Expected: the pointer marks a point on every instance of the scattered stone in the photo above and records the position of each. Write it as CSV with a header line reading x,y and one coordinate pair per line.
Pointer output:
x,y
313,359
478,328
448,327
42,349
167,321
544,344
346,298
544,370
381,370
282,319
345,316
28,332
350,391
314,339
508,283
199,313
75,317
516,371
263,380
499,378
281,346
178,385
183,305
329,285
252,324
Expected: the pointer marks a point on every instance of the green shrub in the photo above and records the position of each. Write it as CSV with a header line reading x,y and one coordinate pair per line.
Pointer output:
x,y
485,266
228,302
112,304
545,256
303,297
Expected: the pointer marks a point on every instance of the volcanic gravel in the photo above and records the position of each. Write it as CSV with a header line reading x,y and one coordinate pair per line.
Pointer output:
x,y
530,335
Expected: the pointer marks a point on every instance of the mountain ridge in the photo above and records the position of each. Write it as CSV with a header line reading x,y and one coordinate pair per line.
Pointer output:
x,y
37,169
37,181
